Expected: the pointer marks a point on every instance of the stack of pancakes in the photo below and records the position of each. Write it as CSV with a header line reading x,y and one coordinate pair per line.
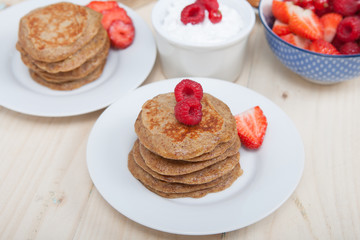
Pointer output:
x,y
174,160
64,45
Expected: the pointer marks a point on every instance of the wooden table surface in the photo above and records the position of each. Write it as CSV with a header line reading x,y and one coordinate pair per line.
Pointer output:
x,y
46,191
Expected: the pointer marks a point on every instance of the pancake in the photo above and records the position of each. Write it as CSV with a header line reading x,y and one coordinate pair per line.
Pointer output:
x,y
160,132
99,43
71,85
148,180
55,32
205,175
233,175
217,151
80,72
165,166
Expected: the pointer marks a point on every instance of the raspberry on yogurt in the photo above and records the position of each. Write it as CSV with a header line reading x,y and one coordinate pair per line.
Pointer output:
x,y
203,32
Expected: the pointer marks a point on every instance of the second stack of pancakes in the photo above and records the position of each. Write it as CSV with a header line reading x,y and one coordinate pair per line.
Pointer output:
x,y
174,160
64,45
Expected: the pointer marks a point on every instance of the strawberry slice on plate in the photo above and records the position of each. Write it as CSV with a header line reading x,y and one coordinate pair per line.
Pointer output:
x,y
121,34
111,15
305,23
100,6
251,126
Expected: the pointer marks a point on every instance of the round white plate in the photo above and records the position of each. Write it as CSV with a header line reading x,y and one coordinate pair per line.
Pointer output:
x,y
125,70
271,173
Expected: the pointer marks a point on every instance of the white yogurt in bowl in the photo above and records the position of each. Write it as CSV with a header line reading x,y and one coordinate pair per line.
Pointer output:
x,y
204,49
204,32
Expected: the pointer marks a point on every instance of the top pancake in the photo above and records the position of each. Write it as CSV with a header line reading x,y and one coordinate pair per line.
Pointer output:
x,y
55,32
160,132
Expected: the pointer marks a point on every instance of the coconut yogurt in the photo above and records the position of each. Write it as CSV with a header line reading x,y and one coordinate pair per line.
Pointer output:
x,y
204,32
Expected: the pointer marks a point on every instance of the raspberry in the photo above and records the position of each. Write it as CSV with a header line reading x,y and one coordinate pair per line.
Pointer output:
x,y
320,5
350,48
346,7
193,13
188,88
337,42
209,4
349,29
215,16
188,111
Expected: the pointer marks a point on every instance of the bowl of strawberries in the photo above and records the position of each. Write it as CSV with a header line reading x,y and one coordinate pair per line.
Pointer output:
x,y
317,39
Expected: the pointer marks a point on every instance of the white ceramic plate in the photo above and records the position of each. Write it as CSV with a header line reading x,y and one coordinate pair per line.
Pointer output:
x,y
125,70
270,174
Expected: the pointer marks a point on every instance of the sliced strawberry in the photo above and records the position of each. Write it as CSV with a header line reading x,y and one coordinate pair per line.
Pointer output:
x,y
282,10
324,47
296,40
251,126
306,23
100,6
111,15
121,34
280,28
330,21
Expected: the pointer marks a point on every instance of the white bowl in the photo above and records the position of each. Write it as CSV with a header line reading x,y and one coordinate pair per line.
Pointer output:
x,y
222,60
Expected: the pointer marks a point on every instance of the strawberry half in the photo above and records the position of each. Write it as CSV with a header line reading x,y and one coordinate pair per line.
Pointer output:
x,y
111,15
330,21
306,23
100,6
251,126
324,47
280,28
121,34
296,40
282,10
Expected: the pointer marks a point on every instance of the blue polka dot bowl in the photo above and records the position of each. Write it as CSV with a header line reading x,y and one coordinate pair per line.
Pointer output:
x,y
315,67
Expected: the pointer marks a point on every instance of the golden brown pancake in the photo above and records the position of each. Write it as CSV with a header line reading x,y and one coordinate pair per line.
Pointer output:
x,y
160,132
98,44
148,180
71,85
205,175
55,32
170,167
79,72
233,175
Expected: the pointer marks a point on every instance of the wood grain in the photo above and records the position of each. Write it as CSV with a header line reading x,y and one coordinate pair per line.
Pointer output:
x,y
46,191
